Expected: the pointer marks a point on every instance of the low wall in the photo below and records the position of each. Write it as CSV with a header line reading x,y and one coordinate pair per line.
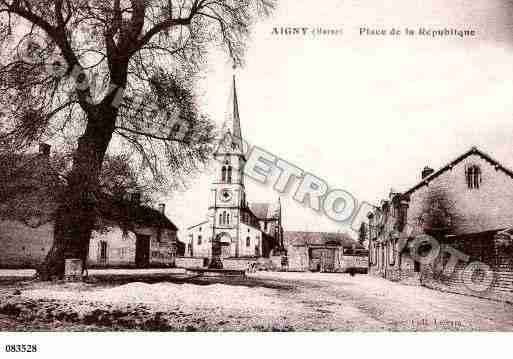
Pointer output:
x,y
501,288
277,262
297,259
190,262
238,263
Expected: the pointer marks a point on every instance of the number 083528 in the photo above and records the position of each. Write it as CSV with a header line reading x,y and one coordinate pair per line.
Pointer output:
x,y
20,348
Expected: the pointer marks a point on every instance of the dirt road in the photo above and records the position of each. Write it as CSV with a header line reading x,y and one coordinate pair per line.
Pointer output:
x,y
265,301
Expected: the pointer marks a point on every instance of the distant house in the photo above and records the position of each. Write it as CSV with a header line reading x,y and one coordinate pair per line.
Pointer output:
x,y
127,233
323,252
466,205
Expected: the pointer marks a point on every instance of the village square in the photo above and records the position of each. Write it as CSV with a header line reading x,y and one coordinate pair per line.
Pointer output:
x,y
240,269
348,185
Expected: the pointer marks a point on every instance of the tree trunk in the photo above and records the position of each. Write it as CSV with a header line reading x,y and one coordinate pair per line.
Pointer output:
x,y
77,213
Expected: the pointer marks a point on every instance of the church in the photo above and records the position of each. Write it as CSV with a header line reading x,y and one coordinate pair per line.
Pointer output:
x,y
235,230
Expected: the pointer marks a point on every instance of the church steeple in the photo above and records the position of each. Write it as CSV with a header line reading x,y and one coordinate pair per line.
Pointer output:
x,y
236,119
232,123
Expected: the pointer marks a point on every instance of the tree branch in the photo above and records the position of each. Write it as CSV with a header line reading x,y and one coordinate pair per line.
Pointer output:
x,y
145,134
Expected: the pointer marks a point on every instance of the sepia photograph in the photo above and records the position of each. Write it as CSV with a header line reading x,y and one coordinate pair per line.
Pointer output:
x,y
255,166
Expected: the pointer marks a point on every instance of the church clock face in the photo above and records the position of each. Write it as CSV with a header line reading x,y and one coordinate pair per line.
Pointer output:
x,y
226,195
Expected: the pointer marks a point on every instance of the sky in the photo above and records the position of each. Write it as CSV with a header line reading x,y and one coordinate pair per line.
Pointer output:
x,y
365,113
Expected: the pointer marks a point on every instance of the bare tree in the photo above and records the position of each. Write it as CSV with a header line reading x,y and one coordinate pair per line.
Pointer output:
x,y
112,69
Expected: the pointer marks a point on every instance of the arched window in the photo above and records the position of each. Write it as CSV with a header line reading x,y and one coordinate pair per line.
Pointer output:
x,y
220,218
199,240
248,241
224,217
228,219
229,177
223,174
473,177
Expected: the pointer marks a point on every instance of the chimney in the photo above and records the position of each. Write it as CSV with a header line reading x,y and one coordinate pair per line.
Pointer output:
x,y
393,193
44,149
162,208
427,171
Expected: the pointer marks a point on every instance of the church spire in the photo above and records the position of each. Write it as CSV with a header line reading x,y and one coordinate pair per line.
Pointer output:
x,y
236,119
232,123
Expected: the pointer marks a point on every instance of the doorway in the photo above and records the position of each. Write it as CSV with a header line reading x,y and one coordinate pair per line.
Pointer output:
x,y
416,266
103,252
142,251
328,260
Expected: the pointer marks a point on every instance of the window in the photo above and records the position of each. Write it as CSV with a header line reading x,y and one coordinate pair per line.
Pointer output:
x,y
229,178
220,218
199,240
224,217
473,175
223,174
228,218
248,241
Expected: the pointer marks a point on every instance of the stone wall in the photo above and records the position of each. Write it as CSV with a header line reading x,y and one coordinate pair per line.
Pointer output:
x,y
238,263
501,289
297,259
190,262
479,248
22,245
471,210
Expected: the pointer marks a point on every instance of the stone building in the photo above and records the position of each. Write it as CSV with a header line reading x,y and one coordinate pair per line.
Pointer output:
x,y
466,205
323,252
235,232
127,233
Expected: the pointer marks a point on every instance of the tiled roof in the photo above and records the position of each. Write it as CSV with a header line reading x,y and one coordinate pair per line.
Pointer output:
x,y
127,212
300,238
36,171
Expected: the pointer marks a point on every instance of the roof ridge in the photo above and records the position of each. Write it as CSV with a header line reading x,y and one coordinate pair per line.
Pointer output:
x,y
473,150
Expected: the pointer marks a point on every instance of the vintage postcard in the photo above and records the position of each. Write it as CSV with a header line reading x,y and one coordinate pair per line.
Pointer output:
x,y
255,166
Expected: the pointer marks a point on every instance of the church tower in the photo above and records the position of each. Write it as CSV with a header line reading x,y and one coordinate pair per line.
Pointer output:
x,y
235,231
228,197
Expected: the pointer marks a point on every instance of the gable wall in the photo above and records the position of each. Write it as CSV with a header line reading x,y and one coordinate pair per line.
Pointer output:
x,y
473,210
